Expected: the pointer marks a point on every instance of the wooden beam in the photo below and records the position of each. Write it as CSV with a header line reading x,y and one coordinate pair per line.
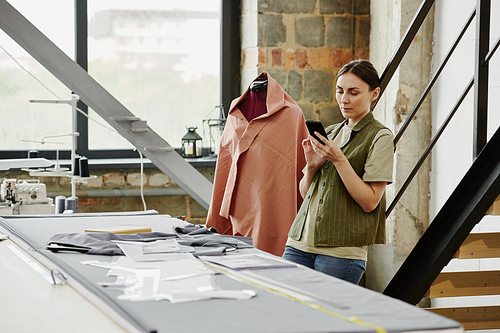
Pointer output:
x,y
472,318
454,284
480,245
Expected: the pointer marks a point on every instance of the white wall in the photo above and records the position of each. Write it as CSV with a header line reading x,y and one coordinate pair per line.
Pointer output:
x,y
452,156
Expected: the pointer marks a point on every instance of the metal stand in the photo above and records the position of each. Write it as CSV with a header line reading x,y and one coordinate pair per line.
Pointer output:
x,y
74,99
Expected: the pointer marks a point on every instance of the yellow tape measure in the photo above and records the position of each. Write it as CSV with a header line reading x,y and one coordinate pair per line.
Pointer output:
x,y
353,319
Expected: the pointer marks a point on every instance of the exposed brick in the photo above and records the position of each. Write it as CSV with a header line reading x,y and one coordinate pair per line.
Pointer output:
x,y
360,54
301,58
64,181
159,179
330,114
362,7
172,205
113,179
276,57
310,31
278,75
197,211
308,110
335,6
294,88
318,86
262,58
324,59
94,182
346,56
288,6
289,58
164,205
337,58
313,58
88,201
134,179
363,32
272,31
338,32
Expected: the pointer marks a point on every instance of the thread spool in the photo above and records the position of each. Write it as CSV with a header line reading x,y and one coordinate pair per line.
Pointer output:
x,y
71,204
76,168
84,167
60,204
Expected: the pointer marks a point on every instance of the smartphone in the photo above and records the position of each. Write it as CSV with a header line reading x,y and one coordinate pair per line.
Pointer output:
x,y
316,126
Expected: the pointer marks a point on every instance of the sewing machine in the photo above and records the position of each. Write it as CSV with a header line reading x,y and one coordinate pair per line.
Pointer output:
x,y
24,197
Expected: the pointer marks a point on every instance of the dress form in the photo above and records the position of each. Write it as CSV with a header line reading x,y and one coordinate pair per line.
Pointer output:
x,y
255,105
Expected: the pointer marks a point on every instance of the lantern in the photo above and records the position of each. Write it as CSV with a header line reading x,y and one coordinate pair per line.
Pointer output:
x,y
191,143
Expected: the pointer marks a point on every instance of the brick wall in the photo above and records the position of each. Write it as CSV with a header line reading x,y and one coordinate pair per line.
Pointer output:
x,y
302,44
119,191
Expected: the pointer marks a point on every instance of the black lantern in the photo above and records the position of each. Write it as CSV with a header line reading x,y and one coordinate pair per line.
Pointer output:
x,y
191,143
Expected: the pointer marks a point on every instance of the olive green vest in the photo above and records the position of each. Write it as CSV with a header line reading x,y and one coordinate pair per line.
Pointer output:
x,y
340,221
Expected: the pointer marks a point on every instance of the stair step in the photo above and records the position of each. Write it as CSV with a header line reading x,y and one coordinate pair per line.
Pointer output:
x,y
480,245
454,284
472,318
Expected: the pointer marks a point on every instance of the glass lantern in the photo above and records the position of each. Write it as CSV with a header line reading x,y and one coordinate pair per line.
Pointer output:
x,y
191,143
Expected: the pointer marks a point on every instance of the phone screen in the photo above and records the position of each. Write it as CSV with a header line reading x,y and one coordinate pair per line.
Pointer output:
x,y
316,126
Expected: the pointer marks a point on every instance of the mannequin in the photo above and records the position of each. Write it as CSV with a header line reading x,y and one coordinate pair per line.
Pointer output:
x,y
259,166
255,105
260,84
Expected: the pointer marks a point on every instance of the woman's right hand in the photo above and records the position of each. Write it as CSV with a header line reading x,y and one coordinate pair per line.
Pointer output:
x,y
314,163
313,160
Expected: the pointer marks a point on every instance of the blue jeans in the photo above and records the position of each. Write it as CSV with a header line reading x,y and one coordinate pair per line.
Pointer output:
x,y
346,269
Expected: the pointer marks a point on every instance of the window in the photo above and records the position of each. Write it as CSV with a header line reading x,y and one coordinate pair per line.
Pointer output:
x,y
26,125
160,59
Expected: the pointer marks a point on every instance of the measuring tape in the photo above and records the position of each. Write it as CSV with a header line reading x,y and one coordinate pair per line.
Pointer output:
x,y
246,279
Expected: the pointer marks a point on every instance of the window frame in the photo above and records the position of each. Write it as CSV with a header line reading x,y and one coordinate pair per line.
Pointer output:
x,y
129,158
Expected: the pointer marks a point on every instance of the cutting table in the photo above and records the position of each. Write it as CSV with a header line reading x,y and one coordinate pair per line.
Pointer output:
x,y
77,303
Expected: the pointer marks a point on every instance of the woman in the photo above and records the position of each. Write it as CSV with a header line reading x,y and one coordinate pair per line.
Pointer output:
x,y
344,183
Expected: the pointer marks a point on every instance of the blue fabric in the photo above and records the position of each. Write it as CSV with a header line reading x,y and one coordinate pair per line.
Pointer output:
x,y
346,269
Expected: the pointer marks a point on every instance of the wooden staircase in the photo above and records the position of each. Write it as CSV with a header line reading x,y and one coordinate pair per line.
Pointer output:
x,y
472,283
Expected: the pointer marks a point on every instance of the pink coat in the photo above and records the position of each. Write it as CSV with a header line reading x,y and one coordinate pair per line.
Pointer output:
x,y
259,167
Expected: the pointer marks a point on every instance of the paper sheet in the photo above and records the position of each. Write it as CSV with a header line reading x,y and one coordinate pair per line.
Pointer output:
x,y
179,280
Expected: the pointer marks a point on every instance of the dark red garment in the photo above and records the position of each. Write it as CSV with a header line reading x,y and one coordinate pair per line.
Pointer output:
x,y
254,106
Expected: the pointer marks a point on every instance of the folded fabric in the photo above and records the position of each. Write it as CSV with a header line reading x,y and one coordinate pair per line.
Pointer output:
x,y
216,240
100,242
202,239
193,229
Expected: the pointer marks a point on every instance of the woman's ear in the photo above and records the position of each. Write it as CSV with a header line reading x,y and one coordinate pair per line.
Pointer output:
x,y
375,93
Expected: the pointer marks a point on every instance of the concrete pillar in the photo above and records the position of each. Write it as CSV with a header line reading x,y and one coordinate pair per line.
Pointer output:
x,y
410,218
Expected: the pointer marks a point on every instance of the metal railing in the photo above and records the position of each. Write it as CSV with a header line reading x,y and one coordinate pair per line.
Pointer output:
x,y
481,184
480,79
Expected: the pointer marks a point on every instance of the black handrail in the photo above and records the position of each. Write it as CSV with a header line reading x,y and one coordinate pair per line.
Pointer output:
x,y
405,43
434,78
429,148
481,73
474,194
417,107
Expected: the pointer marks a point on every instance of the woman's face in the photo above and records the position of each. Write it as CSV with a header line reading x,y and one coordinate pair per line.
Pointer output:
x,y
354,97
